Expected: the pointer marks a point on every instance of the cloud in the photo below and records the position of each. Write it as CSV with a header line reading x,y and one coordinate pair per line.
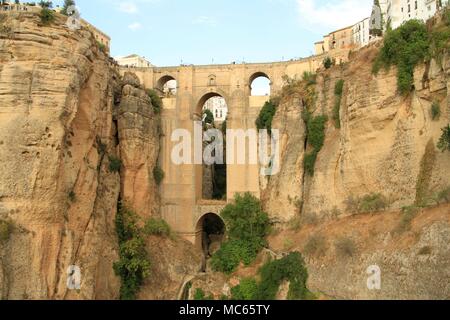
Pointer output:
x,y
128,7
205,20
135,26
333,14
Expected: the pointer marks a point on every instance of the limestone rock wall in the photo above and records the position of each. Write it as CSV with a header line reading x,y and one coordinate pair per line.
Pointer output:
x,y
139,134
56,90
379,149
380,145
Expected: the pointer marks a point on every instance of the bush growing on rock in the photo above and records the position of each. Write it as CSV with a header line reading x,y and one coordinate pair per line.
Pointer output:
x,y
246,290
158,174
370,203
114,164
316,245
345,247
435,110
444,141
265,117
6,228
156,100
157,227
133,265
404,47
247,226
290,268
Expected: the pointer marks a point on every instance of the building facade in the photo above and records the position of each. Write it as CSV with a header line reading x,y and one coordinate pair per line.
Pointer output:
x,y
133,61
101,37
361,33
218,107
399,11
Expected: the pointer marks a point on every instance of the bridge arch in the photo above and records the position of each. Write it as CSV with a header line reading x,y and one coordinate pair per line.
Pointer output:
x,y
205,96
260,84
167,85
210,229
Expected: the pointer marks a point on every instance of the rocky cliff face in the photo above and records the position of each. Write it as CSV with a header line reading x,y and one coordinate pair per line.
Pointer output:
x,y
386,145
139,133
67,118
57,92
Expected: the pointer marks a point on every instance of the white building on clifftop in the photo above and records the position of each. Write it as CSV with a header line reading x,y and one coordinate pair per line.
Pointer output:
x,y
399,11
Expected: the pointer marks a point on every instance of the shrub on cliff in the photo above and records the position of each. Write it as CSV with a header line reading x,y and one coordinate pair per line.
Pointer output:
x,y
133,265
404,47
114,164
435,111
315,137
47,16
156,100
328,63
290,268
265,117
369,203
338,91
158,175
247,226
345,247
246,290
157,227
444,141
6,228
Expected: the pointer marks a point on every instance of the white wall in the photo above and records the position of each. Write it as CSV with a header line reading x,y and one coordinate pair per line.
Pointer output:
x,y
404,10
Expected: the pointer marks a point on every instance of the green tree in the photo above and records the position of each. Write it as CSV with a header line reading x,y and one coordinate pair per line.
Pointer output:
x,y
209,116
67,4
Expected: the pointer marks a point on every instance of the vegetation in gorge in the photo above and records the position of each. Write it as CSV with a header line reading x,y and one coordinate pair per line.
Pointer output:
x,y
6,228
316,245
265,117
114,164
290,268
369,203
435,111
133,265
310,78
410,44
315,137
425,174
156,100
444,141
345,247
328,62
338,91
247,225
158,175
157,227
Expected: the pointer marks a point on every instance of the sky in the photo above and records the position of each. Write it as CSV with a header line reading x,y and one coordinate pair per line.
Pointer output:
x,y
171,32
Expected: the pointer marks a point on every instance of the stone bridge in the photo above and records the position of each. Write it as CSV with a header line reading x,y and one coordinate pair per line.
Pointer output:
x,y
182,203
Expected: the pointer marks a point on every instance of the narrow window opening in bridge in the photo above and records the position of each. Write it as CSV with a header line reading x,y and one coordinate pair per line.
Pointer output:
x,y
260,86
167,86
214,179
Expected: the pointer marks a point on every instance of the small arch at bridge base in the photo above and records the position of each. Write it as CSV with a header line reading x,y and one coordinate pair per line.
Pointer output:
x,y
210,233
